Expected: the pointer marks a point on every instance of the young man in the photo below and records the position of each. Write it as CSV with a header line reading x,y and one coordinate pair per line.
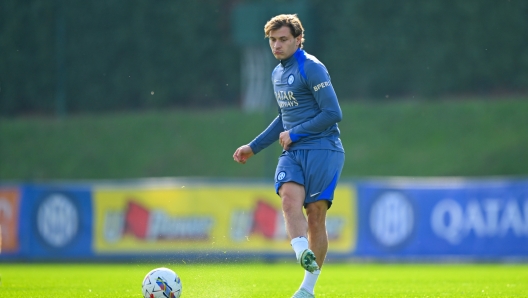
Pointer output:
x,y
313,156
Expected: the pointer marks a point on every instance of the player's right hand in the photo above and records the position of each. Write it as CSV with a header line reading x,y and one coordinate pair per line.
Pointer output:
x,y
242,154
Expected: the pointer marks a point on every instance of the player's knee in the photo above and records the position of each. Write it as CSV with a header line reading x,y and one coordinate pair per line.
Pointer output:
x,y
316,213
291,203
316,223
288,204
316,217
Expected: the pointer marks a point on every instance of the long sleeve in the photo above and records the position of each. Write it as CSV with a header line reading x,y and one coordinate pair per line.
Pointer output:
x,y
268,136
318,80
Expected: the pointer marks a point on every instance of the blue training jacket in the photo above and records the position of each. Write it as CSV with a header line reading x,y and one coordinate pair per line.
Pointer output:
x,y
308,106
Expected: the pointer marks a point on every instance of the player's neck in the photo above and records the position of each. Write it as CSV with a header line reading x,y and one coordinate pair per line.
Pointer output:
x,y
289,60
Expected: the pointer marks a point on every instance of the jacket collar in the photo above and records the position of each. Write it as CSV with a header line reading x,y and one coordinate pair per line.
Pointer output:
x,y
289,61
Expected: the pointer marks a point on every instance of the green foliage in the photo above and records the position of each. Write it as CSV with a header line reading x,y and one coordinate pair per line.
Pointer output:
x,y
123,55
117,55
27,72
401,138
374,49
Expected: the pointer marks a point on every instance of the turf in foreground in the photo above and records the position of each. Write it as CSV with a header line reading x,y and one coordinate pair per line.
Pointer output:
x,y
260,280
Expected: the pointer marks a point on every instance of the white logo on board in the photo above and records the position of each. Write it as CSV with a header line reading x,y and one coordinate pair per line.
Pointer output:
x,y
453,221
392,219
57,220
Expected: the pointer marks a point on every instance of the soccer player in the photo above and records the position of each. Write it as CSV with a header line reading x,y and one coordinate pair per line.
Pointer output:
x,y
313,156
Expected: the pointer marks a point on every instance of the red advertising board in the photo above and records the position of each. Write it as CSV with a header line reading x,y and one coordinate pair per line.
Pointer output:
x,y
9,210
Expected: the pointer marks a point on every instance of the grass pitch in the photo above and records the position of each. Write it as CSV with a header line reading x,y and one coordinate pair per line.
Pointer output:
x,y
261,280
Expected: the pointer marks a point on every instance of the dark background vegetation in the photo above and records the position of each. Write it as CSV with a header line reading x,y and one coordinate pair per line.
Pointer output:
x,y
136,88
77,56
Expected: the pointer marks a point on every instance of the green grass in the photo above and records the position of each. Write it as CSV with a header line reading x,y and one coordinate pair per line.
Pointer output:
x,y
260,280
400,138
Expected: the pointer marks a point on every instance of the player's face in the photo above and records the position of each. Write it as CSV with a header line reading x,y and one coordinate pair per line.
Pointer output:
x,y
282,43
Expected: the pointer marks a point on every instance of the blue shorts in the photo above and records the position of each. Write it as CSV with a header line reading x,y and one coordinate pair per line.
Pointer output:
x,y
317,170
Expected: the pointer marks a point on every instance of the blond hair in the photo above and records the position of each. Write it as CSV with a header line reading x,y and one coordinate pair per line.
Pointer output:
x,y
289,20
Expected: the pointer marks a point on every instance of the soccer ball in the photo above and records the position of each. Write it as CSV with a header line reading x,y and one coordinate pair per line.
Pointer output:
x,y
161,283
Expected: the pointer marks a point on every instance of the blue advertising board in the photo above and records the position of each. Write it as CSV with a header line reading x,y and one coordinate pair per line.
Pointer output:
x,y
442,218
56,222
396,219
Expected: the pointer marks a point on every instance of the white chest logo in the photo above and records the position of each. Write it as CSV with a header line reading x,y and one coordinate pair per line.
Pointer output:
x,y
291,79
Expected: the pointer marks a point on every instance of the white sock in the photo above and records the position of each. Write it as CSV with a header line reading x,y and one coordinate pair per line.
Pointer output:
x,y
299,244
309,280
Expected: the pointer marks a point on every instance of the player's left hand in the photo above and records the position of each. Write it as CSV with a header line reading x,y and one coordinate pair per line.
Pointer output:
x,y
285,140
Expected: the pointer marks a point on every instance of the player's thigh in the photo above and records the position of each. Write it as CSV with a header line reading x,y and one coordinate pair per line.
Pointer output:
x,y
322,170
292,195
289,169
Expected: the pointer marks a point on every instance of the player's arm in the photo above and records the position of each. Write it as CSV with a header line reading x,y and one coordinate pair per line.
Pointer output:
x,y
263,140
268,136
318,80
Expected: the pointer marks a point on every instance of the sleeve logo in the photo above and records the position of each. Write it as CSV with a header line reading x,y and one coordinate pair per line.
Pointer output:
x,y
321,85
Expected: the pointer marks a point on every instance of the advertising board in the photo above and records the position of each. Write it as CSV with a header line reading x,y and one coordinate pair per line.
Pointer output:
x,y
9,216
443,218
206,218
57,221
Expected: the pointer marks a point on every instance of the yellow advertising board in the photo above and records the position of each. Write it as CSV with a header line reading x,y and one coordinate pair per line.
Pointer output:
x,y
207,218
